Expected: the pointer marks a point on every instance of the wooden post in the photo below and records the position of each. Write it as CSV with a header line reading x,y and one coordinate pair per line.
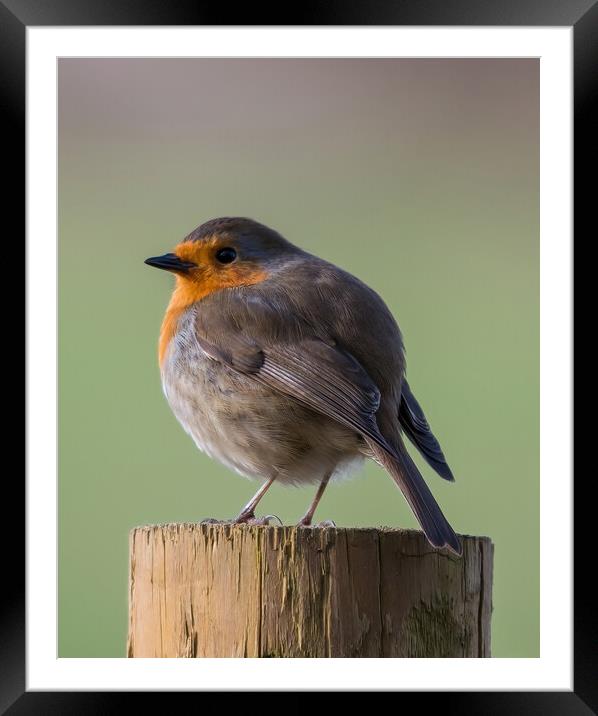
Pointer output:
x,y
198,590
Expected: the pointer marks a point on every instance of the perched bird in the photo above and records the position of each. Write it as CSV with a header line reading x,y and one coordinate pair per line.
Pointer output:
x,y
286,368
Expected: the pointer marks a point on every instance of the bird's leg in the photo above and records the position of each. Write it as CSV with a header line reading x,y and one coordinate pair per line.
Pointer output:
x,y
247,514
305,521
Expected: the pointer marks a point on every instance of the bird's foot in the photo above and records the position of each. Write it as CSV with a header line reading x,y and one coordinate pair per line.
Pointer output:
x,y
214,521
306,522
248,518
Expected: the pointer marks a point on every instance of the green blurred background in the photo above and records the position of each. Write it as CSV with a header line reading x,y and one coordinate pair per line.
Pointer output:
x,y
419,176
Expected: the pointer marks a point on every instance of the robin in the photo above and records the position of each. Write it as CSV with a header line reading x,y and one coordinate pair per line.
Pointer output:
x,y
286,368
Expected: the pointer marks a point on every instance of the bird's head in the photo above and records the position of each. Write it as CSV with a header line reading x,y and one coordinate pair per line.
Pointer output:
x,y
225,253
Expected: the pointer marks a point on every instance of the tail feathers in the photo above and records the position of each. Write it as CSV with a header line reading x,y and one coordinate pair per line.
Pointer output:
x,y
404,472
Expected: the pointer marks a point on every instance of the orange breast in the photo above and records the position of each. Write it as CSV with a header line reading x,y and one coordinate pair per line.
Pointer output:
x,y
181,299
190,290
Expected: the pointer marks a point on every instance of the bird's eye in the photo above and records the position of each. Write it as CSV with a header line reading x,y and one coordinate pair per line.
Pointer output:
x,y
226,255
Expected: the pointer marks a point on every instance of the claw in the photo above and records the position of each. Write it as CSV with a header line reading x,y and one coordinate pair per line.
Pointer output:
x,y
307,523
213,521
326,523
251,519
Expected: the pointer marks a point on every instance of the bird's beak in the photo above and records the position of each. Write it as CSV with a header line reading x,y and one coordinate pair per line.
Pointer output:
x,y
170,262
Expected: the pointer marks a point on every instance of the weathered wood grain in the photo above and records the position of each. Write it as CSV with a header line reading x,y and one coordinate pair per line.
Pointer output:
x,y
198,590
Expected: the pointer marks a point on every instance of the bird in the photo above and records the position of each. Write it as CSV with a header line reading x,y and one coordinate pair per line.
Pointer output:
x,y
288,369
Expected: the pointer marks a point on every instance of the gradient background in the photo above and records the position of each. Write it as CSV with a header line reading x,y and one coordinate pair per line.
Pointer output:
x,y
419,176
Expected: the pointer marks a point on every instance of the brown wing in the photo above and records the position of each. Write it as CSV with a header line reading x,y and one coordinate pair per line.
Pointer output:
x,y
320,375
414,423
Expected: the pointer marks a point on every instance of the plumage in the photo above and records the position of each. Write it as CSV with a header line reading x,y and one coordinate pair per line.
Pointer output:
x,y
297,375
414,423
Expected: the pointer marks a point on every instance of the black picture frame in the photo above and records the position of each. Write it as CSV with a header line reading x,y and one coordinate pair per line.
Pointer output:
x,y
16,15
